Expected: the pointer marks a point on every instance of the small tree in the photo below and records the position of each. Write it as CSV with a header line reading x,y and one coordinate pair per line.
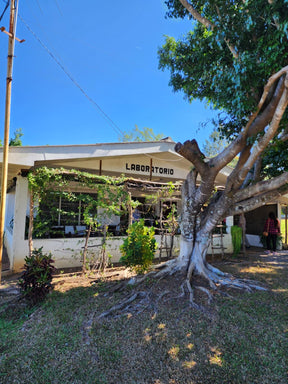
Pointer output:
x,y
137,134
139,247
16,140
215,144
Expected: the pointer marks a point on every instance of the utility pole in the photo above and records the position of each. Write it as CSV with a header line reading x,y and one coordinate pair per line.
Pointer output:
x,y
11,44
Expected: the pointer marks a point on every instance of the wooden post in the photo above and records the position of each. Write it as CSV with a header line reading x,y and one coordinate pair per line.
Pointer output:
x,y
100,167
12,27
130,212
85,249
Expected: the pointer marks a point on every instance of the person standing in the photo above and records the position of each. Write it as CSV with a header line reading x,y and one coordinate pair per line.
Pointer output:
x,y
272,228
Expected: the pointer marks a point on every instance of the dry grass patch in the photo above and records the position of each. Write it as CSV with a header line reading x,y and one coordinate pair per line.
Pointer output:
x,y
240,338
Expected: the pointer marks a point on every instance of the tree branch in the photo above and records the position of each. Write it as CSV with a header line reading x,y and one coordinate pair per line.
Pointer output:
x,y
255,202
261,187
208,24
284,137
261,120
256,124
197,15
191,151
268,136
269,84
274,110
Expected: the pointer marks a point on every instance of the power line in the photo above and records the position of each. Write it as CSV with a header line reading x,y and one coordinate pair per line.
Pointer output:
x,y
39,6
104,115
57,5
5,9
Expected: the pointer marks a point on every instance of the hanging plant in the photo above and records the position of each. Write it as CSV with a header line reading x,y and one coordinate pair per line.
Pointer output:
x,y
47,185
236,233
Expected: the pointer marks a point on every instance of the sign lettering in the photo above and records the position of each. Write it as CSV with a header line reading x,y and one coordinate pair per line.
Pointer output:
x,y
146,169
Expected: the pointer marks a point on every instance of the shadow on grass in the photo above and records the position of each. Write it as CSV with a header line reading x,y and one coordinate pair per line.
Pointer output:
x,y
239,340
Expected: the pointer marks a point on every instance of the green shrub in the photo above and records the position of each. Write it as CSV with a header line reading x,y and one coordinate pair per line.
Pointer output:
x,y
139,247
279,241
35,281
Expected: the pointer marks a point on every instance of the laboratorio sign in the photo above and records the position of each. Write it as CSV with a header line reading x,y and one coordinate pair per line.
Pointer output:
x,y
146,169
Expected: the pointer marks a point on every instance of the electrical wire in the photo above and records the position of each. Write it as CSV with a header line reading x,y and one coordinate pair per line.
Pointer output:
x,y
39,6
57,5
5,9
104,115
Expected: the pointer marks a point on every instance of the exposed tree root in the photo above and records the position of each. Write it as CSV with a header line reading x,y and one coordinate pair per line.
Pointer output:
x,y
168,268
210,298
120,308
164,283
213,276
124,305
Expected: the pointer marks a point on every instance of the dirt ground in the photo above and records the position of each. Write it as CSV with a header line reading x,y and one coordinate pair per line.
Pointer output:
x,y
64,280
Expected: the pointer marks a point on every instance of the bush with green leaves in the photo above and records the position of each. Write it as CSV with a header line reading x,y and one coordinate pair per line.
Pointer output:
x,y
279,240
139,247
36,280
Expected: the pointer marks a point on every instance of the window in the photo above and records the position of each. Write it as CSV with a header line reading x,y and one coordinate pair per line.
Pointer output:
x,y
60,215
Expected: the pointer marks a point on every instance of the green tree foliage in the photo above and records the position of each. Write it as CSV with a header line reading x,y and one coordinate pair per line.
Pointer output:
x,y
16,140
227,58
202,65
214,144
137,134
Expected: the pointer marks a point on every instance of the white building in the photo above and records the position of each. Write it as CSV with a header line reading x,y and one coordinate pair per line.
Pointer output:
x,y
156,161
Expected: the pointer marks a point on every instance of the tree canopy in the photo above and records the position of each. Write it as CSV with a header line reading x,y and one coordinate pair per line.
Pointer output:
x,y
227,58
138,134
15,141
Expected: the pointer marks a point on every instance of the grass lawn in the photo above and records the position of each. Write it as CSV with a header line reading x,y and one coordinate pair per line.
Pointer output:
x,y
240,338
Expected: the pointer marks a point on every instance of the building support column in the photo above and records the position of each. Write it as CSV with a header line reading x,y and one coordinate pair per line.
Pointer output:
x,y
20,246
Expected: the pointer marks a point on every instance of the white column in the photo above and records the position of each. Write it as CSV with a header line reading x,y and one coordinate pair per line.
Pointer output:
x,y
20,246
229,223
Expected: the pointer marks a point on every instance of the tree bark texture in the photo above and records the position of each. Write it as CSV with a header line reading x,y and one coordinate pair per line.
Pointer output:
x,y
202,207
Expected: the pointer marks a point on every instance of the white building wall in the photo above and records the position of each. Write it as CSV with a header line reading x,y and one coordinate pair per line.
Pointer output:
x,y
10,207
8,242
9,224
67,253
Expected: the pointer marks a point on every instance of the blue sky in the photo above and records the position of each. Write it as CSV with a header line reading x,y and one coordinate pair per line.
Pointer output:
x,y
110,51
